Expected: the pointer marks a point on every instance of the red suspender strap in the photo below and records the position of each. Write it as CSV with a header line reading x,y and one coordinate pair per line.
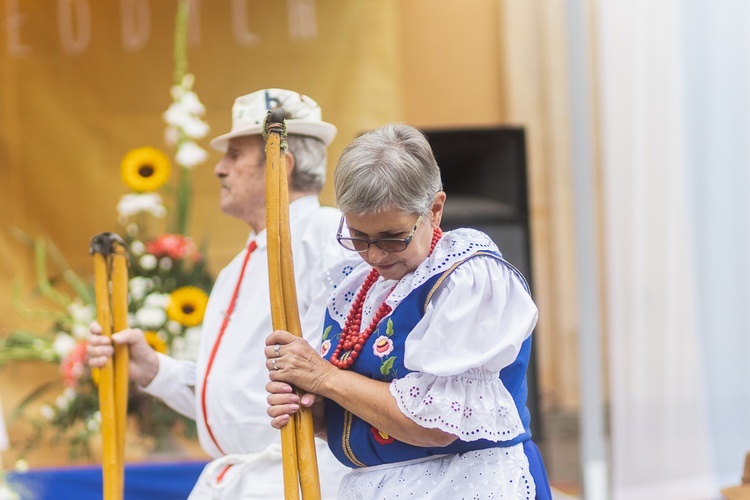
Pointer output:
x,y
250,249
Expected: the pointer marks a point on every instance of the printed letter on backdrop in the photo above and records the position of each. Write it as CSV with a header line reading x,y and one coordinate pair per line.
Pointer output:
x,y
136,24
75,34
16,48
242,33
302,21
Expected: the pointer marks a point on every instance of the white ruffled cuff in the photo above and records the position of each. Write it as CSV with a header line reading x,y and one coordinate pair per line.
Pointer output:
x,y
473,405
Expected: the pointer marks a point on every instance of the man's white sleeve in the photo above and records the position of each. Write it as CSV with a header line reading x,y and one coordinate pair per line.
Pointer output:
x,y
174,384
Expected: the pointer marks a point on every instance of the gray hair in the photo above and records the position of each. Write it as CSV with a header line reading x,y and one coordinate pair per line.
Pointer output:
x,y
390,167
310,163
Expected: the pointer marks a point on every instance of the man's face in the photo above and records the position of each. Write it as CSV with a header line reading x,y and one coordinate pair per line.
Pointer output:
x,y
242,174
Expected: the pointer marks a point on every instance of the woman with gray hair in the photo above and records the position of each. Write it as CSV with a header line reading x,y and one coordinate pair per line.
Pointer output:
x,y
420,387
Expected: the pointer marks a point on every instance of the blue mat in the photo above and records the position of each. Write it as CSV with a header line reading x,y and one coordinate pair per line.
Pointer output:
x,y
146,481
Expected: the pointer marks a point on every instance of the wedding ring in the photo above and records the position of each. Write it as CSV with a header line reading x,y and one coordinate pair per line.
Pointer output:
x,y
273,364
276,350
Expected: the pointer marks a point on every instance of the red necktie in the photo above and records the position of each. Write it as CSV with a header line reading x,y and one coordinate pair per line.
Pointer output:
x,y
250,249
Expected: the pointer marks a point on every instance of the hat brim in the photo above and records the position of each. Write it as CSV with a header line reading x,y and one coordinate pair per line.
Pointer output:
x,y
324,131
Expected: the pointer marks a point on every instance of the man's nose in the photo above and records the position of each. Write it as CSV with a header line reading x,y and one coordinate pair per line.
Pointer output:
x,y
220,169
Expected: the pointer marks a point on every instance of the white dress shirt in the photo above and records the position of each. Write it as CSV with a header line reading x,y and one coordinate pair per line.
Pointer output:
x,y
235,387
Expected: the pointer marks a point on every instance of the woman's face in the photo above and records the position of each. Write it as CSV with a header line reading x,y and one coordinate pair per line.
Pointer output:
x,y
396,223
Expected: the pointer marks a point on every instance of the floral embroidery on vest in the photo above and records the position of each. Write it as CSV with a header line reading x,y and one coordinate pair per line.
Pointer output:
x,y
381,437
326,345
381,348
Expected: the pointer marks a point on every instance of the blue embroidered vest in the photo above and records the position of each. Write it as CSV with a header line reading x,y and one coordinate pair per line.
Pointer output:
x,y
358,444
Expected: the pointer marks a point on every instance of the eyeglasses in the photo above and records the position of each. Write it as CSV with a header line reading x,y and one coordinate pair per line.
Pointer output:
x,y
390,245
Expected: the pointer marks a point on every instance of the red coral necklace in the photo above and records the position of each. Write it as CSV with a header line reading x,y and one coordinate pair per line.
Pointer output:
x,y
352,339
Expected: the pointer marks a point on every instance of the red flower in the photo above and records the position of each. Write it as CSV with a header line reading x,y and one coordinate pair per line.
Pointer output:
x,y
73,365
381,437
174,246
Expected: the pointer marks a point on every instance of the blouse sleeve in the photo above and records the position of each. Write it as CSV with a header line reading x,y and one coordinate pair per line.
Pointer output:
x,y
478,318
474,326
312,321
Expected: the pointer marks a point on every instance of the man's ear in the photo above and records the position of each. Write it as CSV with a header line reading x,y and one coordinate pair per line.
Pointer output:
x,y
289,159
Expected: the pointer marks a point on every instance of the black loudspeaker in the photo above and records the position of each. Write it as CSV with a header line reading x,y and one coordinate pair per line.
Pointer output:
x,y
484,178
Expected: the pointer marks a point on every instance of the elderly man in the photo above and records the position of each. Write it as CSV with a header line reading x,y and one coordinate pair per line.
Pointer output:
x,y
224,390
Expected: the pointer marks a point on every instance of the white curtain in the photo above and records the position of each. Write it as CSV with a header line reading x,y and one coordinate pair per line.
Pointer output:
x,y
717,82
674,80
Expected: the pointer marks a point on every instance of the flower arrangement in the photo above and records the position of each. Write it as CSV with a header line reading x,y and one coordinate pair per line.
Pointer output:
x,y
168,284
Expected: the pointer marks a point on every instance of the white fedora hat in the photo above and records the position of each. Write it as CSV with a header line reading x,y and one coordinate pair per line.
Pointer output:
x,y
303,116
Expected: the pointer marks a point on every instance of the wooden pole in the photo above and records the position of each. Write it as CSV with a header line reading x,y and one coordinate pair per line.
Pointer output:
x,y
110,287
106,380
278,312
297,438
122,355
307,460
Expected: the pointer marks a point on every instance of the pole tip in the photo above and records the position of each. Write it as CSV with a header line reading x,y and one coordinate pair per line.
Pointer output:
x,y
102,243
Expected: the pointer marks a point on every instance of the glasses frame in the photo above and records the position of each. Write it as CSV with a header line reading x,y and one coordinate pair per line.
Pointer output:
x,y
376,241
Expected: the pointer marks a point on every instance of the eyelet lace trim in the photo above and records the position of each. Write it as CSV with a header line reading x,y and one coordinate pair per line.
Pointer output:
x,y
473,405
492,473
344,279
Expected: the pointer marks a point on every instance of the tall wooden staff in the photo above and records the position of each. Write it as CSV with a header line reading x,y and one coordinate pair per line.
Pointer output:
x,y
111,289
297,438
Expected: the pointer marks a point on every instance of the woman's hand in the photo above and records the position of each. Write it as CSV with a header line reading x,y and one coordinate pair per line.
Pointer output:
x,y
295,364
292,362
143,360
282,403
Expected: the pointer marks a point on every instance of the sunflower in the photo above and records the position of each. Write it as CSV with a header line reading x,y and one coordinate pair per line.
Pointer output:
x,y
153,339
187,305
145,169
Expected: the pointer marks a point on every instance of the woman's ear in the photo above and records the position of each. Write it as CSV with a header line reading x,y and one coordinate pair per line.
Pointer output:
x,y
436,211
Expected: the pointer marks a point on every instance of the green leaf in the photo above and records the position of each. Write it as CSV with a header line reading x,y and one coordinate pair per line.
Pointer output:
x,y
387,365
389,328
31,312
27,337
326,332
42,278
84,291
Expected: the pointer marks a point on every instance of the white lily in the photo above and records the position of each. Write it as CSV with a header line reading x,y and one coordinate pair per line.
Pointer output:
x,y
80,330
160,300
148,262
80,312
171,136
150,318
63,344
190,154
180,115
140,286
137,247
135,203
184,94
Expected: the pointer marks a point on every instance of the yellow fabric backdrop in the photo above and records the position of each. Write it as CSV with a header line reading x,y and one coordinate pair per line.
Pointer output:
x,y
75,96
83,81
